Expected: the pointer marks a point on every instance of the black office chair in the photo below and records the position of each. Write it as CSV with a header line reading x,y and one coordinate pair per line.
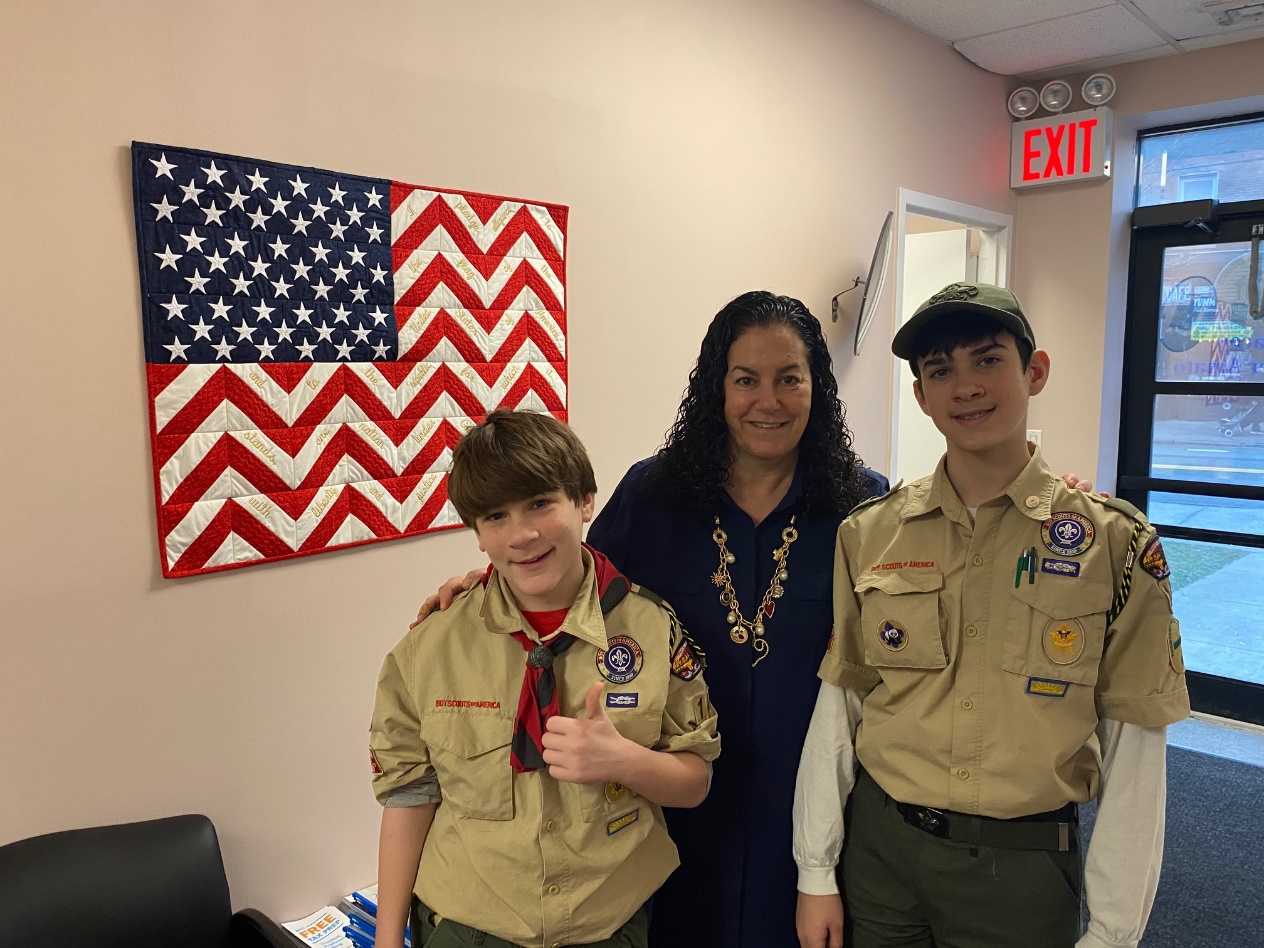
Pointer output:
x,y
156,884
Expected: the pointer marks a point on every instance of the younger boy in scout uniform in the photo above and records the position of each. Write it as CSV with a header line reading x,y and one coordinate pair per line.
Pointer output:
x,y
1004,649
524,740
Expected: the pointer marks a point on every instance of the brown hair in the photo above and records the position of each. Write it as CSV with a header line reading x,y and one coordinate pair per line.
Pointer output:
x,y
514,455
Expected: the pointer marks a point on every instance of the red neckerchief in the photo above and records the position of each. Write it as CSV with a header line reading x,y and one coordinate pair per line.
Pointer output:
x,y
538,701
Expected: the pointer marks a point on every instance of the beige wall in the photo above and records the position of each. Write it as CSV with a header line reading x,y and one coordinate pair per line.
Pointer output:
x,y
1072,243
704,147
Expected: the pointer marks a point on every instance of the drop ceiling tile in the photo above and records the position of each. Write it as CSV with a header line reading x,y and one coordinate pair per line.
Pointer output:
x,y
961,19
1240,35
1093,65
1185,19
1109,31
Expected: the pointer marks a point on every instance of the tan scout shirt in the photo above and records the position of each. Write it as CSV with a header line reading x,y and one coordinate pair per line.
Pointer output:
x,y
982,694
525,857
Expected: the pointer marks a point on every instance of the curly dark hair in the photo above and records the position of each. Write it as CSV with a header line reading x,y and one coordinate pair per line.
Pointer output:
x,y
692,466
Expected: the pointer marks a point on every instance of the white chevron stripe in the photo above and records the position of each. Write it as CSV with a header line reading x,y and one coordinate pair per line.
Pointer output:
x,y
488,343
311,517
312,451
276,520
190,528
483,234
268,453
487,289
226,554
421,435
175,396
351,530
243,552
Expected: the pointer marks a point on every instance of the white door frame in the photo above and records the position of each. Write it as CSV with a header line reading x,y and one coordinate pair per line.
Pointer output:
x,y
997,230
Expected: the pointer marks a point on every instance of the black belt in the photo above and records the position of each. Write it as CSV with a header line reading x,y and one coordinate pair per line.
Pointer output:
x,y
1053,831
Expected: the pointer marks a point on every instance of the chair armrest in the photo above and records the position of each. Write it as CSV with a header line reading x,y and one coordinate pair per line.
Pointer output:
x,y
250,928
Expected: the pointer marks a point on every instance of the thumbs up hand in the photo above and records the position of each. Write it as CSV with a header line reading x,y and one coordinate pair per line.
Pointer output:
x,y
587,750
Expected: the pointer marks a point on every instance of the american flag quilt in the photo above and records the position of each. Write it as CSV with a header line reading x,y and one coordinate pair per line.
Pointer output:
x,y
316,343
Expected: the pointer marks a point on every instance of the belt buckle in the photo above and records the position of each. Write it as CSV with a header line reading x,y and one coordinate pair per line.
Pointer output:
x,y
930,820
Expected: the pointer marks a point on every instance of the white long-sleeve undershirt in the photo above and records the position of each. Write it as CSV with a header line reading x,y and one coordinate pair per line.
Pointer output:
x,y
1124,855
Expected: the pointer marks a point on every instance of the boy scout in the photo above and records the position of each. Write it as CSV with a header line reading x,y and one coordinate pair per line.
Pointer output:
x,y
1004,649
524,740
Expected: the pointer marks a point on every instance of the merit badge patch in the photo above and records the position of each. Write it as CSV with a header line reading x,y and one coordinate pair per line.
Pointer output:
x,y
1060,567
620,661
1067,534
622,822
1048,687
1063,641
374,766
1174,656
685,663
892,635
1154,562
626,700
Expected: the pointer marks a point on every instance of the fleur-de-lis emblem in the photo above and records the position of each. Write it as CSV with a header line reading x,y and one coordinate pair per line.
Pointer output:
x,y
955,292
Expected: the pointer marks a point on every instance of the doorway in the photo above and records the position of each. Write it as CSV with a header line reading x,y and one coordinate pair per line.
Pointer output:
x,y
938,242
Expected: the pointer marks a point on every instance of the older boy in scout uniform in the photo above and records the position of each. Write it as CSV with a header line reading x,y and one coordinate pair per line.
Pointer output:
x,y
1004,649
524,740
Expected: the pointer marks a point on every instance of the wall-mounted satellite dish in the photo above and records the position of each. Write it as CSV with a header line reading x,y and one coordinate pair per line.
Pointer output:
x,y
873,284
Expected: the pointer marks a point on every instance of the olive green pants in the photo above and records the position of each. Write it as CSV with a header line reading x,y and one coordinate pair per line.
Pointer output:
x,y
449,934
904,887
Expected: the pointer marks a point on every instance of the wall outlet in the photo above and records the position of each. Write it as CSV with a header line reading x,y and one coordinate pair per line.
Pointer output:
x,y
1033,435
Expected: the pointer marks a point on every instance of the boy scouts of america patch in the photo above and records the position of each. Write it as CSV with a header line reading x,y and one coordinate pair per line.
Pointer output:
x,y
1067,534
620,661
1174,656
374,766
1063,641
1154,562
892,635
685,664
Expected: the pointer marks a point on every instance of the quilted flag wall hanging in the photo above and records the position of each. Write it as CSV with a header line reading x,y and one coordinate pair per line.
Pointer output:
x,y
316,343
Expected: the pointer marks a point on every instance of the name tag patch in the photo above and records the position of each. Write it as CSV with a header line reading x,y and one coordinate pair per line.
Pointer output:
x,y
1060,567
1047,687
622,822
628,700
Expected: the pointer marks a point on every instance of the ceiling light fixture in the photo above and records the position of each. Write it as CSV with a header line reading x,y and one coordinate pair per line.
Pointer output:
x,y
1056,95
1023,102
1098,89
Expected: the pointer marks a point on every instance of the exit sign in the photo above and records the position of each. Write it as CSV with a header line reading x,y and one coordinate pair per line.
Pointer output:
x,y
1068,147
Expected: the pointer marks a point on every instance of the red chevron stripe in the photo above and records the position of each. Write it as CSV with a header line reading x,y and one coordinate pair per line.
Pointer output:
x,y
208,541
255,532
331,455
443,381
443,325
360,451
227,453
359,392
441,271
431,509
532,380
439,214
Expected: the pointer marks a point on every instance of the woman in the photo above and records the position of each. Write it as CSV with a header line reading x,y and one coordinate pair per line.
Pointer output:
x,y
733,523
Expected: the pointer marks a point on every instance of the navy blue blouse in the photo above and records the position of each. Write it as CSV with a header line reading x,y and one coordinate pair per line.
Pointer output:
x,y
737,884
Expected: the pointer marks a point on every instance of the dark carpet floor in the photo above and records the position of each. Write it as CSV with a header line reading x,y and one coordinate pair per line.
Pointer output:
x,y
1211,891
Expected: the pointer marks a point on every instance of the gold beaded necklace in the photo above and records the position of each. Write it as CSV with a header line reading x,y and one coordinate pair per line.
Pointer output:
x,y
753,628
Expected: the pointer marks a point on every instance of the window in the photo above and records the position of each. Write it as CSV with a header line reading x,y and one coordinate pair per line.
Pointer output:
x,y
1223,161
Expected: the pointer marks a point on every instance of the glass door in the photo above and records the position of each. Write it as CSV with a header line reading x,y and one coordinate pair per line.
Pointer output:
x,y
1192,439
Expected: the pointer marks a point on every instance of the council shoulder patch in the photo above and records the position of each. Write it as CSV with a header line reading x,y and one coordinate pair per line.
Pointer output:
x,y
1153,561
1067,533
685,663
374,766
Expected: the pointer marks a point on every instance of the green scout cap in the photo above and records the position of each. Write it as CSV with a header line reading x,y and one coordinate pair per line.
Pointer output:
x,y
984,298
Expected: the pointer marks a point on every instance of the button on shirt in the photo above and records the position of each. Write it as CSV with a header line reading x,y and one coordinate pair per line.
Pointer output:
x,y
525,857
999,721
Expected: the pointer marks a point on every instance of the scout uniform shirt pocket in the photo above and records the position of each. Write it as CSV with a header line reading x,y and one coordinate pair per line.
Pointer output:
x,y
1056,631
900,620
470,754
